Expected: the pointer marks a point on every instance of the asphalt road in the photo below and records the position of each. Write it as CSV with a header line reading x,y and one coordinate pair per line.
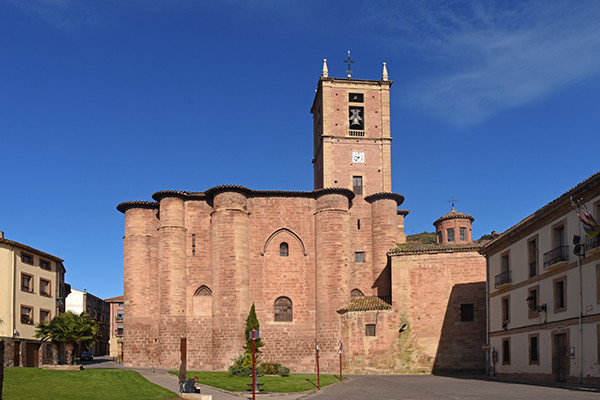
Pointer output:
x,y
429,387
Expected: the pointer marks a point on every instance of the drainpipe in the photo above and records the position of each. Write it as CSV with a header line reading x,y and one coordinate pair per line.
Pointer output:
x,y
13,321
487,315
580,321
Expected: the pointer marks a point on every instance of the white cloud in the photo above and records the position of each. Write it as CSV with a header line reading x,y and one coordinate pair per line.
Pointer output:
x,y
496,58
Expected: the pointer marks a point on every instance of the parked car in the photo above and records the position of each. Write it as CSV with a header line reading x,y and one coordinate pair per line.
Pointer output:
x,y
86,356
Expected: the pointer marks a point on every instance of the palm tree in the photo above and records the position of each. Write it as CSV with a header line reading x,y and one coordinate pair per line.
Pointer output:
x,y
68,328
49,332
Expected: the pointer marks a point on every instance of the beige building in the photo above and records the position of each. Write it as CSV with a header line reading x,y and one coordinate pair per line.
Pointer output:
x,y
32,290
116,326
544,300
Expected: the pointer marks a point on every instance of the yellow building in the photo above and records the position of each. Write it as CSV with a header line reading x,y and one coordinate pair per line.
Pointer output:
x,y
32,289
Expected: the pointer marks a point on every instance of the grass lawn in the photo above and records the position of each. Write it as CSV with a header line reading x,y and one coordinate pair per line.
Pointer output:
x,y
278,384
88,384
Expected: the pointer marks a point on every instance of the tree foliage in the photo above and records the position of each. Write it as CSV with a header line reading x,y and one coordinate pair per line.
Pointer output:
x,y
425,238
252,323
70,329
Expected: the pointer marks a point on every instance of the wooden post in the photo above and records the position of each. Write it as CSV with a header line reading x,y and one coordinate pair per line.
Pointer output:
x,y
183,367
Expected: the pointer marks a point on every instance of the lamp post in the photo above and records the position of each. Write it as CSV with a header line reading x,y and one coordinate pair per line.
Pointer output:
x,y
532,304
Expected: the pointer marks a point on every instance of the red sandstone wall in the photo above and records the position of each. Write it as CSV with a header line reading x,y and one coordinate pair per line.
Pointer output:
x,y
230,271
198,273
140,283
275,220
427,291
332,234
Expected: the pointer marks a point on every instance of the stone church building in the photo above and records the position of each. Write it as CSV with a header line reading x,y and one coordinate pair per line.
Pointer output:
x,y
322,267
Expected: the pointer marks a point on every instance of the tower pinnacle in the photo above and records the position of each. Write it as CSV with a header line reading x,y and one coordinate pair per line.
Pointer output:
x,y
384,75
325,72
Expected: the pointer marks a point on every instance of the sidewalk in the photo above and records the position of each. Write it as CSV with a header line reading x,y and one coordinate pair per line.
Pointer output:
x,y
162,378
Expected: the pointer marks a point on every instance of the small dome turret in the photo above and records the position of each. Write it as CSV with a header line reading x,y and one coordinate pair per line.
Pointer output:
x,y
454,227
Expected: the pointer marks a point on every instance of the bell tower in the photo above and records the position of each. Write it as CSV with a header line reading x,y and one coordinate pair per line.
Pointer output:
x,y
352,142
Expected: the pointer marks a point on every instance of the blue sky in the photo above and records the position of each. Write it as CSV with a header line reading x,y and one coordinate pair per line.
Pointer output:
x,y
493,103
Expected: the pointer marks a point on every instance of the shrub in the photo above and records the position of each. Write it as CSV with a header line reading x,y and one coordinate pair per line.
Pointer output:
x,y
269,368
242,365
284,371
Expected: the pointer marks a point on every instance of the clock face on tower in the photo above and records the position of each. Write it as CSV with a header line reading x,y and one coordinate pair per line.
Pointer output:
x,y
358,157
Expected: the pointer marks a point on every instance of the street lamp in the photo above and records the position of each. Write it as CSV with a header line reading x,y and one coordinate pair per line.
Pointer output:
x,y
532,304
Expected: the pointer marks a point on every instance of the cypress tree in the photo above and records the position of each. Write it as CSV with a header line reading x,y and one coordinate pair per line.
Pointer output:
x,y
252,323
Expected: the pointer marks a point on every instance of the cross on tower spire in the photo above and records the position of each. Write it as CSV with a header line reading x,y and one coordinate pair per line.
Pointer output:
x,y
452,200
349,61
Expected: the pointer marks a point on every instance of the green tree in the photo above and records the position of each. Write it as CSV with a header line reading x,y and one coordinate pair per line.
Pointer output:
x,y
252,323
49,332
68,328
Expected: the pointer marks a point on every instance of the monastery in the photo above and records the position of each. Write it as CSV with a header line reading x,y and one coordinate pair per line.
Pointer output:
x,y
327,267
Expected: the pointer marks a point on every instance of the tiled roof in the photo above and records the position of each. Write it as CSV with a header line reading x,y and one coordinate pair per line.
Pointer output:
x,y
453,214
418,248
366,303
126,205
118,299
31,249
577,190
122,207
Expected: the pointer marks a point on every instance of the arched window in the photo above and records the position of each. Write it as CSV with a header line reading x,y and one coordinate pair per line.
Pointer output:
x,y
283,310
203,291
284,249
356,293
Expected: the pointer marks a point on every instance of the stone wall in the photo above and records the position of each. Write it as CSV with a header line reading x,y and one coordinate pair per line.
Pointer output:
x,y
429,289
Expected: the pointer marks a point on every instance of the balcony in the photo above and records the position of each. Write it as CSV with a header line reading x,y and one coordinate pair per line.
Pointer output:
x,y
356,133
557,257
592,245
502,279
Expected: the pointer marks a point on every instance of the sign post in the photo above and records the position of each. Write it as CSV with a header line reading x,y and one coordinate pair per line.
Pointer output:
x,y
318,375
340,361
254,335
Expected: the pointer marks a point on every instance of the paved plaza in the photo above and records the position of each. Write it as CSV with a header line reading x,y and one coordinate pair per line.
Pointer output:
x,y
429,387
391,387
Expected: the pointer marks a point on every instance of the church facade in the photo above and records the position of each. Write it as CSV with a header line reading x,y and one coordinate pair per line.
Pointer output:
x,y
319,266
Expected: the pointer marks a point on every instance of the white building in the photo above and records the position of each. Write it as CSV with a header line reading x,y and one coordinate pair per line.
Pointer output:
x,y
79,301
543,299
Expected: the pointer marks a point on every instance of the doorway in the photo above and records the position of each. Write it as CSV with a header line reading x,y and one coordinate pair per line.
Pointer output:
x,y
560,357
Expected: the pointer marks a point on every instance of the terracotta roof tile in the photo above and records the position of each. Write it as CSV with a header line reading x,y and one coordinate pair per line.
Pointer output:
x,y
417,248
366,303
453,214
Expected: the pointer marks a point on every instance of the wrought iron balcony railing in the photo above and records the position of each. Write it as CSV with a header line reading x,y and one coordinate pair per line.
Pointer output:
x,y
592,243
503,278
555,256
